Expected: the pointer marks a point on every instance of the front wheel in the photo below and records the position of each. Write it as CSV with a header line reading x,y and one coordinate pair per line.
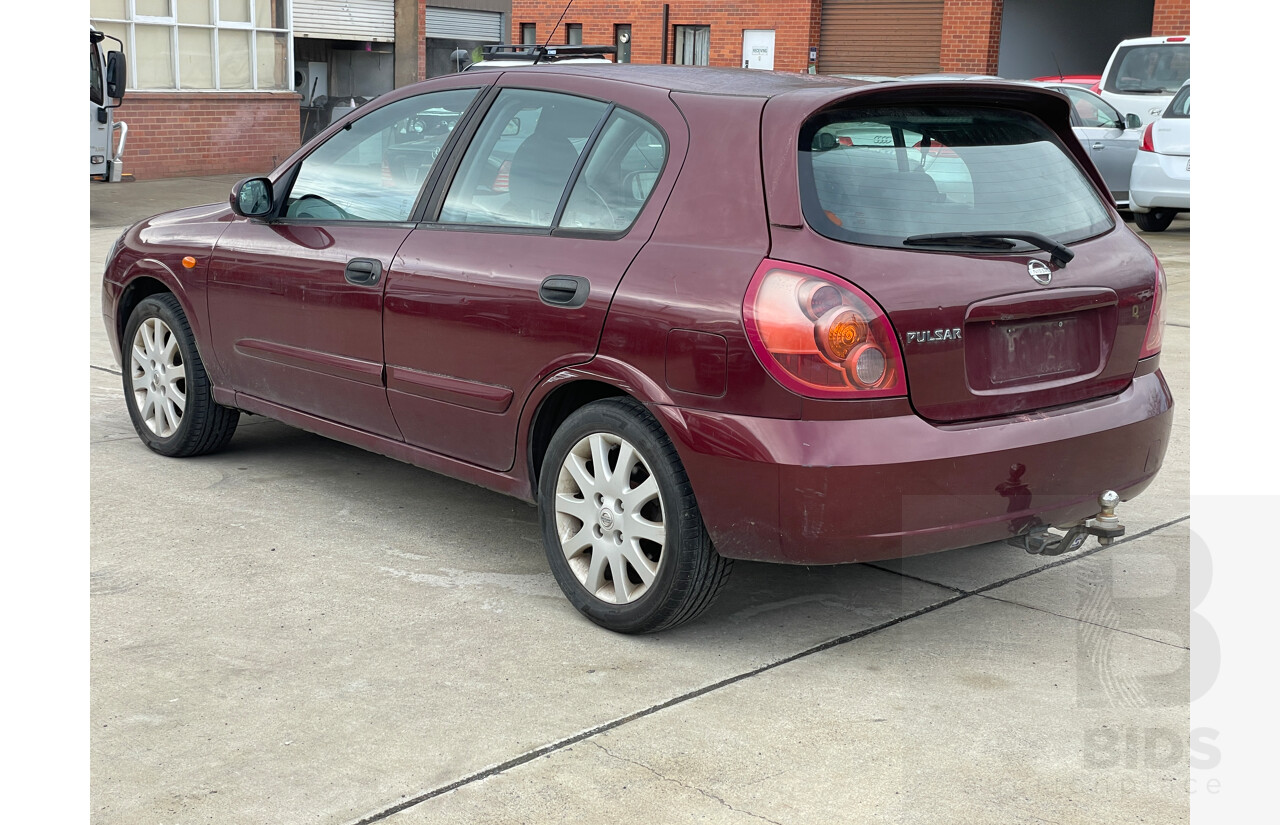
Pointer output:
x,y
166,389
1157,220
622,530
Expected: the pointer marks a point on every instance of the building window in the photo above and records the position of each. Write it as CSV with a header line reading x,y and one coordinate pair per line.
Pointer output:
x,y
573,34
529,33
693,45
622,40
200,44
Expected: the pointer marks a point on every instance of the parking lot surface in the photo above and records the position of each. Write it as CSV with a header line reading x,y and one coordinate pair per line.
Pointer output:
x,y
294,630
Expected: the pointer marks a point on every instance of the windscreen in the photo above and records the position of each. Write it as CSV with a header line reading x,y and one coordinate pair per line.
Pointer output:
x,y
881,175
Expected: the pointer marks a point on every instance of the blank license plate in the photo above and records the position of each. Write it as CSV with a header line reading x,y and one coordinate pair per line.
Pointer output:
x,y
1036,349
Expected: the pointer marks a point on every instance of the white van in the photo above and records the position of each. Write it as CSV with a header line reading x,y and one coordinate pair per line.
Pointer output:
x,y
1143,74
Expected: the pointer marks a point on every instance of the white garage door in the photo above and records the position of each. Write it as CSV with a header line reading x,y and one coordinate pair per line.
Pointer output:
x,y
345,19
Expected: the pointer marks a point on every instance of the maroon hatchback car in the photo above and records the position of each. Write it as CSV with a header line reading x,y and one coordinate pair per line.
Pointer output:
x,y
696,315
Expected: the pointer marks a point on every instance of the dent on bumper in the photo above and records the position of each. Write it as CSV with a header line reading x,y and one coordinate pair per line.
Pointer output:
x,y
829,492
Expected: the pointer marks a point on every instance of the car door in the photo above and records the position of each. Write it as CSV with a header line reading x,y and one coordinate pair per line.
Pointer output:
x,y
1102,132
511,276
295,301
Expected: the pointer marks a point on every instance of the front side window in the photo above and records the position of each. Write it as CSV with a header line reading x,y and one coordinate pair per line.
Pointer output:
x,y
95,75
374,170
1092,110
884,175
693,45
519,163
1180,106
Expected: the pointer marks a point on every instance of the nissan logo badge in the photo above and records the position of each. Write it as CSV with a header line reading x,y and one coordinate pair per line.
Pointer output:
x,y
1040,272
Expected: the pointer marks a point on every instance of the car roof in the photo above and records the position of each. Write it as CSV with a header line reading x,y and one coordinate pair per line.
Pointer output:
x,y
704,79
1151,41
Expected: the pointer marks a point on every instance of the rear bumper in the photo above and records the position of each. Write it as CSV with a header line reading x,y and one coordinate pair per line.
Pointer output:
x,y
829,492
1160,182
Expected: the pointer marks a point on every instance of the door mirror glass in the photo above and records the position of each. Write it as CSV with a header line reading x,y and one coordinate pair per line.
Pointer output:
x,y
1132,121
252,198
115,75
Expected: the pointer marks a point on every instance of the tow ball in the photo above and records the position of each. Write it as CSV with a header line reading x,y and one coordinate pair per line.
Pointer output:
x,y
1042,541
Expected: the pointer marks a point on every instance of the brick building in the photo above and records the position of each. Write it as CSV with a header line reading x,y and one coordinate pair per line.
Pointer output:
x,y
235,85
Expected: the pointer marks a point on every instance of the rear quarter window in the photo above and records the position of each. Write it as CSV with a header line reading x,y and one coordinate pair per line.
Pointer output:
x,y
878,176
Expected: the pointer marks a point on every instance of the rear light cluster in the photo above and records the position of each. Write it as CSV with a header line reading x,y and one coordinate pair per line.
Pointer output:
x,y
1155,324
820,336
1147,145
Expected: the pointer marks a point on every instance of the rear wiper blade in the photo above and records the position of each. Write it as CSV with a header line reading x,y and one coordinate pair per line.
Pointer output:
x,y
1058,253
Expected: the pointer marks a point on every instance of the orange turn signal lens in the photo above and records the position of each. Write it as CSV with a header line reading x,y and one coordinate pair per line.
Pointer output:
x,y
838,331
189,262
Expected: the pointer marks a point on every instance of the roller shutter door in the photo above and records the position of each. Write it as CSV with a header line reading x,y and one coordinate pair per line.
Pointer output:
x,y
885,37
345,19
462,24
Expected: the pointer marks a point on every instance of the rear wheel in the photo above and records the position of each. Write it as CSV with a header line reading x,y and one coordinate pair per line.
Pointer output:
x,y
1157,220
166,389
622,530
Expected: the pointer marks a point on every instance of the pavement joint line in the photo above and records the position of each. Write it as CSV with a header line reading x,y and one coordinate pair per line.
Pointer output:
x,y
104,369
1083,621
553,747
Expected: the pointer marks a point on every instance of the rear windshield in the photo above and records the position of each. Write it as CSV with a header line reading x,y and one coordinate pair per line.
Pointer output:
x,y
879,176
1153,69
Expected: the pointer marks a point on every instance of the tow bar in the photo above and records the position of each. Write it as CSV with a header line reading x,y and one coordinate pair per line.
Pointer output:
x,y
1041,541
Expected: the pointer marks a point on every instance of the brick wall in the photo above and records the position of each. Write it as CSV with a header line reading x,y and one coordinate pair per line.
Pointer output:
x,y
971,36
1171,17
187,134
795,23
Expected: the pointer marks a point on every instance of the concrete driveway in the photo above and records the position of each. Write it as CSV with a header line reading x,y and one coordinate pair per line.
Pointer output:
x,y
296,631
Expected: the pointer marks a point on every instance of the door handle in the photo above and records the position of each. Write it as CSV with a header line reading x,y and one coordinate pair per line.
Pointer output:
x,y
1098,146
363,271
568,291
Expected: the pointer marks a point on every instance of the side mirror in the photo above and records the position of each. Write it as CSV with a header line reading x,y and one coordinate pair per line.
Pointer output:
x,y
116,75
252,198
512,128
1132,121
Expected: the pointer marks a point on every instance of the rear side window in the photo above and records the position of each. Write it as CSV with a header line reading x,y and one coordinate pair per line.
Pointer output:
x,y
1156,68
879,176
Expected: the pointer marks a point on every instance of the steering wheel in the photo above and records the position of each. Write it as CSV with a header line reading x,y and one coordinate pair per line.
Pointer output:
x,y
316,207
612,220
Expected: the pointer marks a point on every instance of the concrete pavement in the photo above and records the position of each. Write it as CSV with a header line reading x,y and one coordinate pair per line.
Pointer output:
x,y
294,630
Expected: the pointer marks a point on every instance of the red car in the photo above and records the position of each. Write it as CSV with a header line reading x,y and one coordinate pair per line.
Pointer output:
x,y
1092,82
675,309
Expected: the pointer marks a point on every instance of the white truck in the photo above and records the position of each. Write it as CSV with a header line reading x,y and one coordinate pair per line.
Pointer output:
x,y
106,88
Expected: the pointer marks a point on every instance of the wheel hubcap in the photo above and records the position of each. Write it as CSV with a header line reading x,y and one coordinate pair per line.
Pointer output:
x,y
159,377
610,518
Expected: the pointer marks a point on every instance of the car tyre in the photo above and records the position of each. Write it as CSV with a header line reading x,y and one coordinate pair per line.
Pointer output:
x,y
166,389
622,530
1157,220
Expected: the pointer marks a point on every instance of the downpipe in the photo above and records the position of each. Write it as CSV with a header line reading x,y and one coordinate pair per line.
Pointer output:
x,y
1106,527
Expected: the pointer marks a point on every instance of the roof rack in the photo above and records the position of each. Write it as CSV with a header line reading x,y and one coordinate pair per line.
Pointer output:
x,y
543,54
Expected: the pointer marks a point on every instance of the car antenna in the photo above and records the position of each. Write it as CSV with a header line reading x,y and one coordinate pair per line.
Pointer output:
x,y
553,31
1056,65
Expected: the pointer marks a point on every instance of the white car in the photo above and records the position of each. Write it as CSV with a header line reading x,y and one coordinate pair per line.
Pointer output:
x,y
1160,183
1143,74
1110,138
508,55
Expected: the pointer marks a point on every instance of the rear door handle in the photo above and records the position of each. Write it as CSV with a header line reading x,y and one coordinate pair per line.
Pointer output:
x,y
567,291
1099,146
363,271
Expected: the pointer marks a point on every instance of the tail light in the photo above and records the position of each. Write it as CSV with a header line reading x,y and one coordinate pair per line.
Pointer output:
x,y
1155,324
502,181
1147,145
1096,88
820,336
